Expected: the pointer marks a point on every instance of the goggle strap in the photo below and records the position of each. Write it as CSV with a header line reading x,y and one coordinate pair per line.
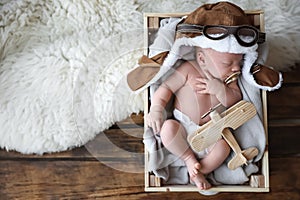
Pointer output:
x,y
189,28
261,37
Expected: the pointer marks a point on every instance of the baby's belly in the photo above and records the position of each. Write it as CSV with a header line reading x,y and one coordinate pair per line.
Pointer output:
x,y
194,108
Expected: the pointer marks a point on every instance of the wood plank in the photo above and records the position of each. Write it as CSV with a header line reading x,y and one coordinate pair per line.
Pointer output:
x,y
293,75
284,103
285,123
92,179
64,179
284,140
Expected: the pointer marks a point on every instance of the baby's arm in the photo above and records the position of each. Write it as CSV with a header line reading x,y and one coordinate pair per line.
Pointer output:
x,y
228,95
161,97
159,101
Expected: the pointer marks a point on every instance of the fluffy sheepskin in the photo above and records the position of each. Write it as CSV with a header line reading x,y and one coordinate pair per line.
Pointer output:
x,y
62,63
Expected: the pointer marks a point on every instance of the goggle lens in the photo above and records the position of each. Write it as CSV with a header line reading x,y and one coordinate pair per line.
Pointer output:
x,y
215,33
247,35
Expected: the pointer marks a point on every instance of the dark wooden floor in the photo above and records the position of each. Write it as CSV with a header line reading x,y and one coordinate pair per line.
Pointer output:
x,y
99,171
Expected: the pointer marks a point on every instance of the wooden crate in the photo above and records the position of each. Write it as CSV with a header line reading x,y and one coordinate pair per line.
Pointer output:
x,y
257,183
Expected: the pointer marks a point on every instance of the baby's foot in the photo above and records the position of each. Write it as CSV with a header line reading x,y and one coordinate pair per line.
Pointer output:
x,y
200,181
197,177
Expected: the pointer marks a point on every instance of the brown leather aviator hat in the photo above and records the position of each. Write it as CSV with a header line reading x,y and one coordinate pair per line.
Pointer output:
x,y
222,13
176,39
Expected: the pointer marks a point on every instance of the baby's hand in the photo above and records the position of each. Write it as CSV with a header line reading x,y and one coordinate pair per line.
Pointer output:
x,y
209,85
155,120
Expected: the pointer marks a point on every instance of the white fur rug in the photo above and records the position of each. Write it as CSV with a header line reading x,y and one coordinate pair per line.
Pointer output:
x,y
62,63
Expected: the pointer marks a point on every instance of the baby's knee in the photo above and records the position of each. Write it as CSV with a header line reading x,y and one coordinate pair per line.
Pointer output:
x,y
223,145
169,129
171,124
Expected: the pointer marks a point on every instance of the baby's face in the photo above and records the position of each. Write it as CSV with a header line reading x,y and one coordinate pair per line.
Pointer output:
x,y
222,65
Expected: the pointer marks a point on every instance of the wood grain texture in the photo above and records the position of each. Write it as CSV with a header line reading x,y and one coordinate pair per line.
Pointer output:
x,y
92,179
285,102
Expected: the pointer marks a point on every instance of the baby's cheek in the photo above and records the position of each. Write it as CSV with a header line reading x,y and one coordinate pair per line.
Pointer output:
x,y
216,71
224,73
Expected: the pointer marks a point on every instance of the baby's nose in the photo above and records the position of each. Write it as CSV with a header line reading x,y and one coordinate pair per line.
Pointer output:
x,y
236,68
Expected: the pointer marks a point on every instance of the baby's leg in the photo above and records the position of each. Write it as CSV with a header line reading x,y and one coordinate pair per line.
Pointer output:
x,y
217,154
173,136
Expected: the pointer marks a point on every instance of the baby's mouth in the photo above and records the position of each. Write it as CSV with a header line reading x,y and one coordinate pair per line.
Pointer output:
x,y
233,77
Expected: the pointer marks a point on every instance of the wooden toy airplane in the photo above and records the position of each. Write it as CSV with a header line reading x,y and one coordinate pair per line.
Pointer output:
x,y
219,126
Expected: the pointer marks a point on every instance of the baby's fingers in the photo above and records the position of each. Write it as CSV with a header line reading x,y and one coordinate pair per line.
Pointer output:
x,y
157,126
201,80
205,91
153,126
200,86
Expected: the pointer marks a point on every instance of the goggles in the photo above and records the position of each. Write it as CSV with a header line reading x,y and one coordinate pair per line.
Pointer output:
x,y
245,35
